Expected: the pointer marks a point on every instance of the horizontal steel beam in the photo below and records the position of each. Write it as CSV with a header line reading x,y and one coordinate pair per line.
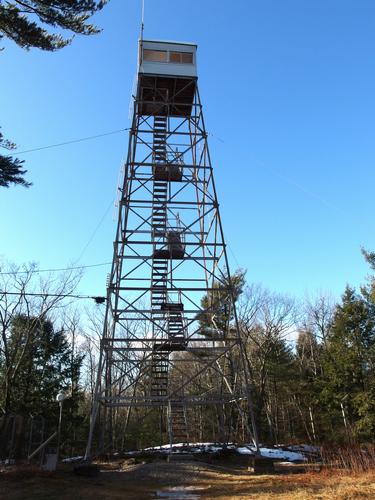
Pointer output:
x,y
159,339
165,402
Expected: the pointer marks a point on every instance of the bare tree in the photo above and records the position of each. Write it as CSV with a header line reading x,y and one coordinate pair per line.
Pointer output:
x,y
317,316
267,320
24,292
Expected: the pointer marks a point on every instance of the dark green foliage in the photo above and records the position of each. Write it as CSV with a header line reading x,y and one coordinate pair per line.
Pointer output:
x,y
218,303
368,290
26,22
22,21
369,257
349,363
37,363
11,171
274,381
45,365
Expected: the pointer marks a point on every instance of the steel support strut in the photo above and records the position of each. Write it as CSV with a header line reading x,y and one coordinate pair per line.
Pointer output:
x,y
169,275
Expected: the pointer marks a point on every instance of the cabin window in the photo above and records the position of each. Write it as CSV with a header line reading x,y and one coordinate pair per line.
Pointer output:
x,y
155,55
181,57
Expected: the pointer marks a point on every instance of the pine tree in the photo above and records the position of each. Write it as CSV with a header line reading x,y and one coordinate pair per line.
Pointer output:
x,y
11,171
349,363
274,381
26,22
218,303
46,367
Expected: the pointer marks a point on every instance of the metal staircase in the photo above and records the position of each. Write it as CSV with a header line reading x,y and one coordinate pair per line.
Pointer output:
x,y
160,355
177,422
159,374
176,325
168,321
160,190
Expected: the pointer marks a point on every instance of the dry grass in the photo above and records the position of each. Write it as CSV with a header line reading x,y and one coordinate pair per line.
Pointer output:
x,y
143,480
354,457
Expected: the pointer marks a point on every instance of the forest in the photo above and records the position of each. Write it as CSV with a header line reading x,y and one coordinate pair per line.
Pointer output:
x,y
312,367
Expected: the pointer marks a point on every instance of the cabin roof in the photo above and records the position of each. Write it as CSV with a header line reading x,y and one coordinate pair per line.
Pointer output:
x,y
173,42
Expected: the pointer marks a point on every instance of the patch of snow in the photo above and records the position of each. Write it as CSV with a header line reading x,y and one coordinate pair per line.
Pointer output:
x,y
244,450
180,492
291,454
285,463
70,460
276,453
192,447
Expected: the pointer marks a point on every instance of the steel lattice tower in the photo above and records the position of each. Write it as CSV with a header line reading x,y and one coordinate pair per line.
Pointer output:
x,y
169,254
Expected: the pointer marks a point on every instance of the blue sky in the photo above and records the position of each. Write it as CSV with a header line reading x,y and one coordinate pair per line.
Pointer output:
x,y
288,94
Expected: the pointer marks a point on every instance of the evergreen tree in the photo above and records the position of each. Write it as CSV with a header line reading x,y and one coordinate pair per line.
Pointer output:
x,y
26,22
274,380
349,362
11,171
218,302
46,367
368,290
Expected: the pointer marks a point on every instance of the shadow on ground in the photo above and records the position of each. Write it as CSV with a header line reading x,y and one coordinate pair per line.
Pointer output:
x,y
160,479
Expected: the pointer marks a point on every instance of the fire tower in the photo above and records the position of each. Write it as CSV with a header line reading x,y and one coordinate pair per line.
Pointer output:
x,y
170,278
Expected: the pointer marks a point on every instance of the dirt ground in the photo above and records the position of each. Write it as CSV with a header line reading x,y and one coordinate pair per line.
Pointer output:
x,y
181,480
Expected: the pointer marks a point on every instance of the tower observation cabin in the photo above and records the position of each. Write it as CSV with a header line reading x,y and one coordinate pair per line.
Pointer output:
x,y
167,75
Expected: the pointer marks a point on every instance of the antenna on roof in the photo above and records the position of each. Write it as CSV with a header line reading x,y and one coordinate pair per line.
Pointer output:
x,y
142,19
